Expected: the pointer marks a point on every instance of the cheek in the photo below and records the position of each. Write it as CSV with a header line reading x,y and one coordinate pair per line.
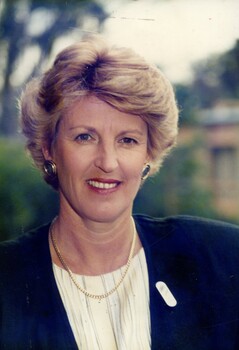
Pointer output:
x,y
134,168
68,165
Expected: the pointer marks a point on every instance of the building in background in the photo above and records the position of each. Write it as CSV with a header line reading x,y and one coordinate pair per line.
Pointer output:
x,y
218,153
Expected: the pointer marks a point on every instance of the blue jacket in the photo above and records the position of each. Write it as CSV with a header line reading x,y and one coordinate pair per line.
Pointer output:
x,y
197,259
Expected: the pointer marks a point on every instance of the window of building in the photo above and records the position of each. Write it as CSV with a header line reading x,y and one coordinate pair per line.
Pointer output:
x,y
225,171
225,163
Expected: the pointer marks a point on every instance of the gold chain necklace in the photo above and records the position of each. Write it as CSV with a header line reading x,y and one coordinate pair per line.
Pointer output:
x,y
93,296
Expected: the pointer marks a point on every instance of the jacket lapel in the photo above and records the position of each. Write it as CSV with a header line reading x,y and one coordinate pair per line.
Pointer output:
x,y
171,318
52,329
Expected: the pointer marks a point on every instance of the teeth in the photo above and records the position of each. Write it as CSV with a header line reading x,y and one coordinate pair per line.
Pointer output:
x,y
102,185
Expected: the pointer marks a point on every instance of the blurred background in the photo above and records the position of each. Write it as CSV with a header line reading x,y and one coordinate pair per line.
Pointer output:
x,y
195,42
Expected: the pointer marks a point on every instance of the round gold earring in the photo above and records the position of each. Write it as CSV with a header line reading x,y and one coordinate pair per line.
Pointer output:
x,y
50,168
145,172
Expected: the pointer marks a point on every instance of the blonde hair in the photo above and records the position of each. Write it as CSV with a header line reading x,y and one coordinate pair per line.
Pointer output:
x,y
117,76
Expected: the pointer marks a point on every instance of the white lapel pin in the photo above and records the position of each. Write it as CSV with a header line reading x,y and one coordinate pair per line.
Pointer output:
x,y
166,294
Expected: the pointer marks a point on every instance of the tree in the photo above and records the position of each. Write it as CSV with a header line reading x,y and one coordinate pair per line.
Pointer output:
x,y
230,72
19,35
25,200
217,78
188,104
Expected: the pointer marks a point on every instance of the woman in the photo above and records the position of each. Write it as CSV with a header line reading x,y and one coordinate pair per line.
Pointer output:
x,y
97,124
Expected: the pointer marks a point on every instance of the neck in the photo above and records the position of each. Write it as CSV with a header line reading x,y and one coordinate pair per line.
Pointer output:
x,y
93,248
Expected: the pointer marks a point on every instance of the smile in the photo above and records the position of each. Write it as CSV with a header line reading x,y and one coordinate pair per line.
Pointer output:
x,y
102,185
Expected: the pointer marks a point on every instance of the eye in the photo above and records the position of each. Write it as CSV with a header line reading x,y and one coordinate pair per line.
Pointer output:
x,y
128,140
83,137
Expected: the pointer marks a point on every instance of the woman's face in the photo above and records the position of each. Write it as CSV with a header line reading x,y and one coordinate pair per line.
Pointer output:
x,y
100,153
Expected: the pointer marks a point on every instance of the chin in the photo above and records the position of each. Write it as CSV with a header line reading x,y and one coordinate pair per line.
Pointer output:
x,y
107,215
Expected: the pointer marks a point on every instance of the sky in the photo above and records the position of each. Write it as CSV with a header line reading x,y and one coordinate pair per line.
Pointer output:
x,y
174,33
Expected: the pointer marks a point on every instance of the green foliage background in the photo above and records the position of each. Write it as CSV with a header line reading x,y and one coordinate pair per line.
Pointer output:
x,y
25,200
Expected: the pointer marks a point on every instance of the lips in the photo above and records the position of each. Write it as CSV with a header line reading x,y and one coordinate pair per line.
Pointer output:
x,y
103,184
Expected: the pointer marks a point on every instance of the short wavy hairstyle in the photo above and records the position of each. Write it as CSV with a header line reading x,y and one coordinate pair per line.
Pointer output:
x,y
115,75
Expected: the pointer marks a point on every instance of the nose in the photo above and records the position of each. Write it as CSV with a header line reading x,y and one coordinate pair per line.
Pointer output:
x,y
106,158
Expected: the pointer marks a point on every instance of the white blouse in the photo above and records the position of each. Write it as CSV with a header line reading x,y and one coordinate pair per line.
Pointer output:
x,y
119,322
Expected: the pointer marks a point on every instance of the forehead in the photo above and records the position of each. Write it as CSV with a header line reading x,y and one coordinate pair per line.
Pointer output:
x,y
93,112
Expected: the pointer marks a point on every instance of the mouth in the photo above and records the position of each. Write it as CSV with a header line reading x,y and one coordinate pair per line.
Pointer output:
x,y
103,184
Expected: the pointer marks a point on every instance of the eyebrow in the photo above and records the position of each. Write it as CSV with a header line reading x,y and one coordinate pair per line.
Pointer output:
x,y
92,129
133,131
88,128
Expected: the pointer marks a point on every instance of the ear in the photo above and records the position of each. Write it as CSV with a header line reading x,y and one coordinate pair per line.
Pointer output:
x,y
147,160
46,152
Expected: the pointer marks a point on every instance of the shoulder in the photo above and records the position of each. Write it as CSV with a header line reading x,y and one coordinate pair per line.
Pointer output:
x,y
185,220
23,248
185,223
182,244
188,229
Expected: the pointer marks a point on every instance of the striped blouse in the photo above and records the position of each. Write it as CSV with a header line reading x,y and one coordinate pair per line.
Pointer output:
x,y
121,321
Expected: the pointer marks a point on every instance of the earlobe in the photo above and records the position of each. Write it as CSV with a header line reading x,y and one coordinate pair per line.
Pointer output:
x,y
46,152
